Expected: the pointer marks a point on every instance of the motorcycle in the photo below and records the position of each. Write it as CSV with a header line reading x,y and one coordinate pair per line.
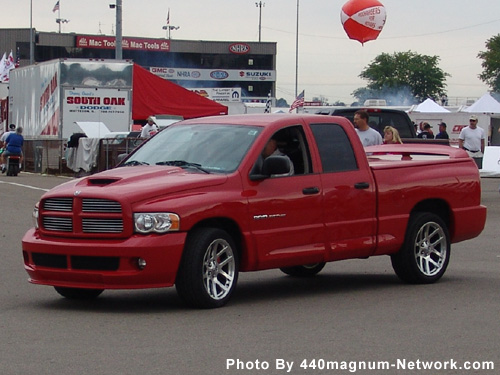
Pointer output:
x,y
13,165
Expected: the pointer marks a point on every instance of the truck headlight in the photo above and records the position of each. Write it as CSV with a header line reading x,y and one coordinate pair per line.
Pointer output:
x,y
156,222
34,216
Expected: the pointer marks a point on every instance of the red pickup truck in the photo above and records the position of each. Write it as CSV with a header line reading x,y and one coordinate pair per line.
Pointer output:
x,y
208,198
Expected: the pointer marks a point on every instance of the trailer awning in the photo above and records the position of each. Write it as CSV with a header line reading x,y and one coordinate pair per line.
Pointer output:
x,y
153,95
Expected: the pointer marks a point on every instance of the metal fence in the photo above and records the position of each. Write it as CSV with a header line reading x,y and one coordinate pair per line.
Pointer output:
x,y
47,156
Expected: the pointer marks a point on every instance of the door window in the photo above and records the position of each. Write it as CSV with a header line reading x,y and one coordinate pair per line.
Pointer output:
x,y
334,147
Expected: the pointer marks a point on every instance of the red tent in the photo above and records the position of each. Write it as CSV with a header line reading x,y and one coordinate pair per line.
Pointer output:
x,y
153,95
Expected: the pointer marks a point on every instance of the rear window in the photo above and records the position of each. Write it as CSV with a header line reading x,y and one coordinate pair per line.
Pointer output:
x,y
379,120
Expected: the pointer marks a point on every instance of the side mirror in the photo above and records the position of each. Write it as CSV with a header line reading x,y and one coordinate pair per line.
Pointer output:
x,y
272,166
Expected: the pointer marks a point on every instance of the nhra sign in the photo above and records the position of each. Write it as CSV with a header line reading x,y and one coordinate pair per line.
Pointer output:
x,y
109,42
213,74
239,48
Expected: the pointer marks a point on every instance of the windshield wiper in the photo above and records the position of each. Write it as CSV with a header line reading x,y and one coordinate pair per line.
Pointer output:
x,y
135,162
183,164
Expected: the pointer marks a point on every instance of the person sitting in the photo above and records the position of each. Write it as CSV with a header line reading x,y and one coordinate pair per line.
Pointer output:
x,y
271,149
12,130
14,144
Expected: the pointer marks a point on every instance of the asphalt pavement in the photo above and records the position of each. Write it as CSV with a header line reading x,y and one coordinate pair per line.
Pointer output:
x,y
355,317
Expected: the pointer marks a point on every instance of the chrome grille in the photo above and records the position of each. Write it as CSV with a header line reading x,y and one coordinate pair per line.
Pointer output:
x,y
60,224
90,225
100,205
58,204
82,216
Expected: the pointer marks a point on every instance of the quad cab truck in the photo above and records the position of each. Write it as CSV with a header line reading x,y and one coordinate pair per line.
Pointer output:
x,y
196,205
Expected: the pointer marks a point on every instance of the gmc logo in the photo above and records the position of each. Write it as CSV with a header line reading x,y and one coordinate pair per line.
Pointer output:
x,y
239,48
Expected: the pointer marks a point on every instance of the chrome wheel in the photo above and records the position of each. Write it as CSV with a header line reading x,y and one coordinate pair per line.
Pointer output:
x,y
431,249
208,272
219,269
425,253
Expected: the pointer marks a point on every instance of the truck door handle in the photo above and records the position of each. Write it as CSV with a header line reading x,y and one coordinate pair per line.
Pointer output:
x,y
310,190
362,185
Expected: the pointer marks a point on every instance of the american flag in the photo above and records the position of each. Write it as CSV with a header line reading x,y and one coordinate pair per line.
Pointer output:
x,y
18,59
168,17
56,7
268,103
299,102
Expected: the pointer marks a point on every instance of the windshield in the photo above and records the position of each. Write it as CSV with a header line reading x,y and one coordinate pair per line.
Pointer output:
x,y
201,147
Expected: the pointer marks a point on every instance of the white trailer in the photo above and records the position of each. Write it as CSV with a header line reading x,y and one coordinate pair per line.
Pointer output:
x,y
456,121
49,98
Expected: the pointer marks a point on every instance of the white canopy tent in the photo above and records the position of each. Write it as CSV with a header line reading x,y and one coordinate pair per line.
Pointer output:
x,y
485,104
429,106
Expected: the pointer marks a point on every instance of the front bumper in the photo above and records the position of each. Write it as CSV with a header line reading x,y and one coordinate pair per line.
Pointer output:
x,y
103,264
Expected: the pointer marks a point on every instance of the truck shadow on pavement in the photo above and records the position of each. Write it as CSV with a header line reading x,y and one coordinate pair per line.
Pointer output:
x,y
271,287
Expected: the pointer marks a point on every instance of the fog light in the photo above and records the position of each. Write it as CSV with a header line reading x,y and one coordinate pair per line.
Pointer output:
x,y
141,263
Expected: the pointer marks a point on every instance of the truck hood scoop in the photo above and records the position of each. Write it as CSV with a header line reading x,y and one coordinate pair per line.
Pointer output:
x,y
96,181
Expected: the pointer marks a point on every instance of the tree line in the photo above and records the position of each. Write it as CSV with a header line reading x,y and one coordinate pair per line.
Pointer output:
x,y
405,78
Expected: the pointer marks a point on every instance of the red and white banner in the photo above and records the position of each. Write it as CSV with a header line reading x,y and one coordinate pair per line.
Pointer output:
x,y
6,66
109,42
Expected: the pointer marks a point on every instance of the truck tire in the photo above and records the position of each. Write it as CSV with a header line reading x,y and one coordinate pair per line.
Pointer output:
x,y
208,272
306,270
78,293
425,254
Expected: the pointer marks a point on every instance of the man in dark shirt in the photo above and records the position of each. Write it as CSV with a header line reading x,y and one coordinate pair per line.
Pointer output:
x,y
14,144
427,132
442,131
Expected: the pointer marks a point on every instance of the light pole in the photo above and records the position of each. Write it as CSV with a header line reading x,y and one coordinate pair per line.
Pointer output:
x,y
259,5
61,20
31,32
118,39
297,54
170,28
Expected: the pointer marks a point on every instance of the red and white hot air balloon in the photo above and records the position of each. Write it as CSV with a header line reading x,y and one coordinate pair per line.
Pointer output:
x,y
363,20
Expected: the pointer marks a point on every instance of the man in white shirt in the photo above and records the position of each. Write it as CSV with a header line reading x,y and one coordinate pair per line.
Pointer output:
x,y
471,139
367,135
12,130
149,129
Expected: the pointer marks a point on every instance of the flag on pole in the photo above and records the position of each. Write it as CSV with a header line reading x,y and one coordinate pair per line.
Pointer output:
x,y
168,17
299,102
8,65
2,64
18,59
56,7
268,103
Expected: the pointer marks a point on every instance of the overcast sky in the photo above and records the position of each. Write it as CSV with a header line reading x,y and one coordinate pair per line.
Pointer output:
x,y
329,62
